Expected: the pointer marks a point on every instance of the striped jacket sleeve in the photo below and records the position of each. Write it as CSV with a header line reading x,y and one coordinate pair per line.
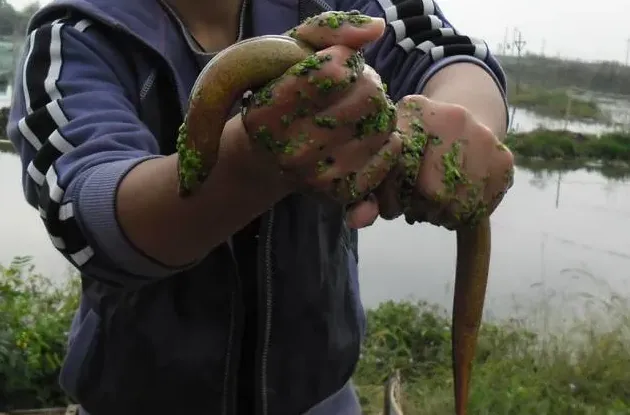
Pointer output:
x,y
418,42
75,125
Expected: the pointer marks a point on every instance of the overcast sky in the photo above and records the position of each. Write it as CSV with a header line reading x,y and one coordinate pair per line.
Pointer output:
x,y
569,28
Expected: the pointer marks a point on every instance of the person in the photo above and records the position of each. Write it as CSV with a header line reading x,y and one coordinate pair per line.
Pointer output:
x,y
243,298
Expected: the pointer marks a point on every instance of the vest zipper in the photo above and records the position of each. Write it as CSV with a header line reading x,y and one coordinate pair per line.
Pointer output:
x,y
268,308
267,265
241,23
226,402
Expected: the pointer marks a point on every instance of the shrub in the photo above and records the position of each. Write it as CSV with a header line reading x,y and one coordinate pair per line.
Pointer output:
x,y
35,316
584,370
566,145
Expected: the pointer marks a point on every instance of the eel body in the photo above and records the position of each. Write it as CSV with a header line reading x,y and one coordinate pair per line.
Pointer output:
x,y
471,279
252,63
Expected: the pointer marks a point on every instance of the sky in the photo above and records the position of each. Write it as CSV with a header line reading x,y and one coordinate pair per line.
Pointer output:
x,y
565,28
568,28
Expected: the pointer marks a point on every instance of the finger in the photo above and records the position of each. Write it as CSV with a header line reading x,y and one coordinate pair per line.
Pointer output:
x,y
440,176
503,181
399,189
354,155
363,110
350,29
438,118
439,127
315,81
347,134
325,76
352,186
456,175
412,219
421,210
274,112
496,201
363,213
387,194
499,165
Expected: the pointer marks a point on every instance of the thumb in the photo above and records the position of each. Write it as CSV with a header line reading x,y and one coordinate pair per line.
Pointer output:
x,y
351,29
363,213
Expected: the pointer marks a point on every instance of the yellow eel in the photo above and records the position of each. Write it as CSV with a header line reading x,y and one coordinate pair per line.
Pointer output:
x,y
253,63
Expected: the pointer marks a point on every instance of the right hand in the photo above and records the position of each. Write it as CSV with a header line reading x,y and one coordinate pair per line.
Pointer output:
x,y
327,122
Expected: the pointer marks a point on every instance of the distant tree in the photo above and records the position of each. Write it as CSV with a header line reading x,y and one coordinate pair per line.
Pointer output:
x,y
8,18
13,21
25,15
548,72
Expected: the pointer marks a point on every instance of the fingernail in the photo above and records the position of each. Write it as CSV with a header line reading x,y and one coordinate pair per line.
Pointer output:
x,y
355,17
336,19
376,21
363,20
379,20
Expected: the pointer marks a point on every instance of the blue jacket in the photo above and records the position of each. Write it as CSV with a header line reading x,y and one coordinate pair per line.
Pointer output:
x,y
102,86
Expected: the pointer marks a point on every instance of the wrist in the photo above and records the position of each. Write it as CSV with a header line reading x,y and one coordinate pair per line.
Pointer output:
x,y
472,87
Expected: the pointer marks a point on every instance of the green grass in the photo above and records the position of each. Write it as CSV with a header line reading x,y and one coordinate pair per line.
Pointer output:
x,y
566,145
582,369
553,103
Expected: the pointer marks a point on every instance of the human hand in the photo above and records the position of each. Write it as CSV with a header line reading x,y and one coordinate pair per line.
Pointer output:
x,y
463,170
327,122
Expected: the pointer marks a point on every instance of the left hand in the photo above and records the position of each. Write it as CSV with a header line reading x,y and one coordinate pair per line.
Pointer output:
x,y
464,173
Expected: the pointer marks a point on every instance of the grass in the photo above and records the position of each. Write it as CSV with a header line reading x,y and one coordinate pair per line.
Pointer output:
x,y
566,145
583,369
553,103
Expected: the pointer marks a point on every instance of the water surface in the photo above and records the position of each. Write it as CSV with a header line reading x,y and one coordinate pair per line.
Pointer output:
x,y
568,232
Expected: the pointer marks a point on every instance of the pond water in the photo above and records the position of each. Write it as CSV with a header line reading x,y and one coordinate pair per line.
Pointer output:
x,y
560,239
523,120
566,233
556,236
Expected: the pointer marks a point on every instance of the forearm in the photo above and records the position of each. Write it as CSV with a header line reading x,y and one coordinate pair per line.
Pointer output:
x,y
470,86
177,231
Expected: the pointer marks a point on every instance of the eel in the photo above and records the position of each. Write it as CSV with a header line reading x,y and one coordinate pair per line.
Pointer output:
x,y
254,62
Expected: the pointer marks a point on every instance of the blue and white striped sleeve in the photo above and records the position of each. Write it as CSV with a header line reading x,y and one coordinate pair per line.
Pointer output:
x,y
418,42
75,125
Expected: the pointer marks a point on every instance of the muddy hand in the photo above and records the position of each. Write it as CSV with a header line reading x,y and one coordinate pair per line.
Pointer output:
x,y
453,173
326,123
321,118
463,170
